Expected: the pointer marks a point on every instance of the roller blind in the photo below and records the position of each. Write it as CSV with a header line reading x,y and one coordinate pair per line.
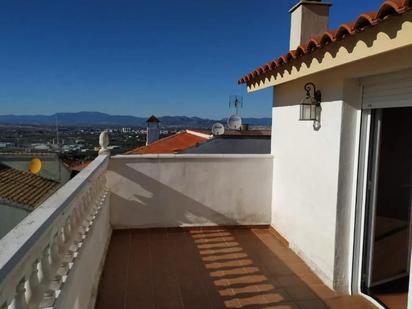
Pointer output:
x,y
388,90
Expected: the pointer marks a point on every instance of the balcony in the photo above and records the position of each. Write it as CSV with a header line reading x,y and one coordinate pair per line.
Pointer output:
x,y
159,231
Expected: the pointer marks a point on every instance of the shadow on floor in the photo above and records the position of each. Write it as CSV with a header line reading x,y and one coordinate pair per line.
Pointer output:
x,y
209,268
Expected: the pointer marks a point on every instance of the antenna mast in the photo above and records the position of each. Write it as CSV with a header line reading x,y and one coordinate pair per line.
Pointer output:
x,y
236,101
234,122
57,134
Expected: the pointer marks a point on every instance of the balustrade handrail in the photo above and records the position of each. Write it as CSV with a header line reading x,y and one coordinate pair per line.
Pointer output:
x,y
24,245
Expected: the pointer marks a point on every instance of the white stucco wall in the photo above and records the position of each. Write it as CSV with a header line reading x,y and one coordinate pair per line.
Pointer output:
x,y
306,180
190,190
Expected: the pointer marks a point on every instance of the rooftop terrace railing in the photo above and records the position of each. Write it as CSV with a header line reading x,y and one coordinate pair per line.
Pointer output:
x,y
39,256
54,257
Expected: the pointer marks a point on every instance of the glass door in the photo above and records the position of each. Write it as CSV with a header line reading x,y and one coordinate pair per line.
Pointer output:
x,y
389,199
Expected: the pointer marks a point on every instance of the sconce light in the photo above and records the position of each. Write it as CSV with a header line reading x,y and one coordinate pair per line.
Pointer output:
x,y
310,108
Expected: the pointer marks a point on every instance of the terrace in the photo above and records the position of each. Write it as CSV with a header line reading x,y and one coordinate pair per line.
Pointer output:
x,y
160,231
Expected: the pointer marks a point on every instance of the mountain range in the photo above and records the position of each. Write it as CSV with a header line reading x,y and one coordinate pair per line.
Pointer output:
x,y
102,119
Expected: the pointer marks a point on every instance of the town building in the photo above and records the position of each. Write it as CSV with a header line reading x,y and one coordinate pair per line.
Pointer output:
x,y
51,166
20,194
153,130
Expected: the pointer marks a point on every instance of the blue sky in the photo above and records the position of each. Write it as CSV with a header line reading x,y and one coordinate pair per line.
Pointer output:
x,y
163,57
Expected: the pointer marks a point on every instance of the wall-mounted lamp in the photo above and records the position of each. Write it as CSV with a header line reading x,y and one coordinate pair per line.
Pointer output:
x,y
310,108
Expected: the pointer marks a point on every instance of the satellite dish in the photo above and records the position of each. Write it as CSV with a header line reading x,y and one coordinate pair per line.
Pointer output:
x,y
218,129
35,166
234,122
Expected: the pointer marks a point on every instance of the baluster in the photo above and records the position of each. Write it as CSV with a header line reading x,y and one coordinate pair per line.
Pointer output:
x,y
94,200
84,222
64,264
94,192
67,232
91,211
76,225
34,292
103,185
20,299
55,265
46,278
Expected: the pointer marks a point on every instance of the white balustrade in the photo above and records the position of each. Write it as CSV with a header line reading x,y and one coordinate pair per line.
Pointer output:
x,y
20,299
33,273
35,292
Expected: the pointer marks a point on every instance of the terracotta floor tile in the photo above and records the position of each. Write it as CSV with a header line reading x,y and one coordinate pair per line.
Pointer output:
x,y
228,256
248,270
300,293
219,245
210,268
210,235
311,304
310,278
249,279
323,291
287,305
220,251
347,303
253,300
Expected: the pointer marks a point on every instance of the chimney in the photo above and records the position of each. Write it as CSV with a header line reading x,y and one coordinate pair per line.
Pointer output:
x,y
153,130
309,18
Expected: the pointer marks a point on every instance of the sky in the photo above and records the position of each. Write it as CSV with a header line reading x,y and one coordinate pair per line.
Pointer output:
x,y
135,57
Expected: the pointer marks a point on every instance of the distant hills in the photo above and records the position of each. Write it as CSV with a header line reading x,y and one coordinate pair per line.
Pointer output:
x,y
102,119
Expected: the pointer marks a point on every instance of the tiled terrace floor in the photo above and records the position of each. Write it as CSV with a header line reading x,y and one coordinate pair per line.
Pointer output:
x,y
211,268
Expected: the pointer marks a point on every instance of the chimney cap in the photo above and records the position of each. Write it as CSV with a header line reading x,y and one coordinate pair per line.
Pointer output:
x,y
152,119
309,2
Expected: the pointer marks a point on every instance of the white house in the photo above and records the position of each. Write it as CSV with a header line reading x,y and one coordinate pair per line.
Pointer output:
x,y
342,192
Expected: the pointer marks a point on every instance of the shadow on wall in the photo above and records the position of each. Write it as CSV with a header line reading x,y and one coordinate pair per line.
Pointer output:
x,y
138,200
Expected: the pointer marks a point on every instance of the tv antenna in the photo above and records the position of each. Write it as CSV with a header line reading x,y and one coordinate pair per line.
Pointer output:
x,y
234,122
57,134
236,101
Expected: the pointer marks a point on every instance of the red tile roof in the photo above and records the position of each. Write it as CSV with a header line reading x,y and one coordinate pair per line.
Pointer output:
x,y
173,143
362,23
23,188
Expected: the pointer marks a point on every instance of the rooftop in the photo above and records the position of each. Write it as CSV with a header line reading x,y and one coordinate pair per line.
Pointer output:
x,y
173,143
247,133
23,188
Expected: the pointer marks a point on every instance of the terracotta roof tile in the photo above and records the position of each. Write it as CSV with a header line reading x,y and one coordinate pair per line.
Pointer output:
x,y
173,143
363,22
24,189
